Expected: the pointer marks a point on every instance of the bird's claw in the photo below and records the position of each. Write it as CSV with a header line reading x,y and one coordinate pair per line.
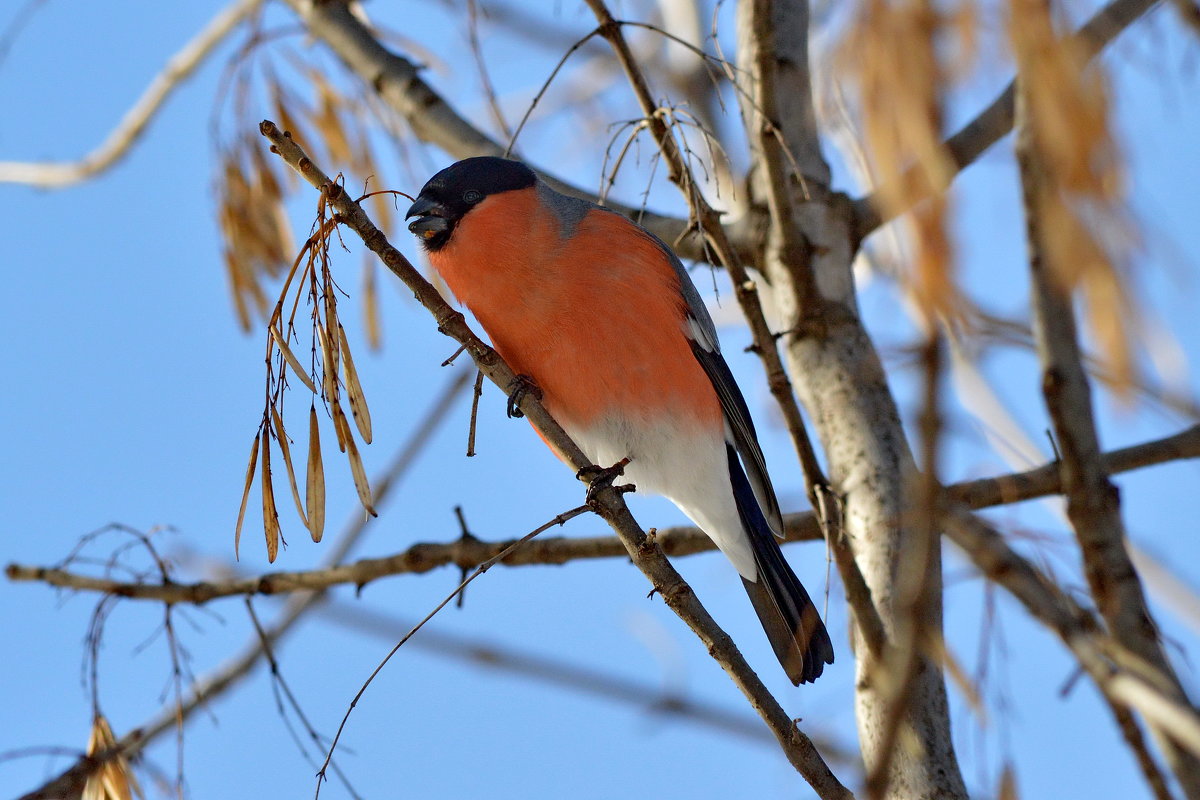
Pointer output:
x,y
598,478
521,386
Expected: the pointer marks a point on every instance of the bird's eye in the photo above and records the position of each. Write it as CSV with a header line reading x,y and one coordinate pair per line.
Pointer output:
x,y
472,196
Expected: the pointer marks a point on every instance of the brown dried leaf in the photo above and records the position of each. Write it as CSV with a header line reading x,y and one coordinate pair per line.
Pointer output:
x,y
1079,199
292,361
358,400
235,269
270,511
270,218
114,779
237,533
901,55
314,490
285,448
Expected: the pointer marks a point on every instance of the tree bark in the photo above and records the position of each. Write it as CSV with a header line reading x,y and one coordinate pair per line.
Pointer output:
x,y
806,259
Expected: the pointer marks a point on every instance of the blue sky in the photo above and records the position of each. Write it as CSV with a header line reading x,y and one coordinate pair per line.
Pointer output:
x,y
132,398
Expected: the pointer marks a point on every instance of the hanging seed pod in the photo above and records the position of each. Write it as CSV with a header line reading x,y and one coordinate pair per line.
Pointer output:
x,y
237,533
314,490
358,401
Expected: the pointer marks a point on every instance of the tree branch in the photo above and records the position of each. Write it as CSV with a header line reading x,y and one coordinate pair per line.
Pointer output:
x,y
1093,503
994,122
50,175
677,541
432,119
1047,480
1121,676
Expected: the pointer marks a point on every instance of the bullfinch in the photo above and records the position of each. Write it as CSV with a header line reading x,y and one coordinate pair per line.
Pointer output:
x,y
602,317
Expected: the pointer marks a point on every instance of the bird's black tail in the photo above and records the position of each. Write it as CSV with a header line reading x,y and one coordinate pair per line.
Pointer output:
x,y
785,610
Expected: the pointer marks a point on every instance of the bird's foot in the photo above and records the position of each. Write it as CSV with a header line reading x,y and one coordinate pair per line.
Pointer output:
x,y
598,478
521,386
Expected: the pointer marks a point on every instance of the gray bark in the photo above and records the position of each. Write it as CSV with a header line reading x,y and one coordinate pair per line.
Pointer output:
x,y
839,377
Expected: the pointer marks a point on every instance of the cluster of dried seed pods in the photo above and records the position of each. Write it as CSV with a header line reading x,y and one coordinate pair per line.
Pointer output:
x,y
332,379
251,192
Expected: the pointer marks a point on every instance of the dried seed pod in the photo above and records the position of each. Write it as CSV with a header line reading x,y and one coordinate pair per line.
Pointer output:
x,y
340,426
370,299
270,512
237,533
329,366
314,490
113,779
360,477
291,359
285,448
358,401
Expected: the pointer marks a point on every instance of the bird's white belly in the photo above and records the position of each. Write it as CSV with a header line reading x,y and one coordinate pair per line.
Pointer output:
x,y
679,461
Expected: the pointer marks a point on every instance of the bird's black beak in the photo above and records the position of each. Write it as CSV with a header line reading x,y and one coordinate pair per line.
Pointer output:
x,y
430,218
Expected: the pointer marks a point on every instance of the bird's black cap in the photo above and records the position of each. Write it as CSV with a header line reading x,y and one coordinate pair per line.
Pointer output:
x,y
454,191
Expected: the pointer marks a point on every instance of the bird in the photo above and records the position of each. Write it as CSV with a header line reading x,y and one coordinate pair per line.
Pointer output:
x,y
601,319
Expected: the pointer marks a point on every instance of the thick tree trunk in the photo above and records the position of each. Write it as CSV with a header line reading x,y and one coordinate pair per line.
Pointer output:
x,y
806,258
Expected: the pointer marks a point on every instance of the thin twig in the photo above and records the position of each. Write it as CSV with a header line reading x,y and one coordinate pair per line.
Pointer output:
x,y
476,393
485,78
278,680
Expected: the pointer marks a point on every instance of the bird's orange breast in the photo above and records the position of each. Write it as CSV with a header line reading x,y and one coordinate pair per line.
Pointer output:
x,y
595,316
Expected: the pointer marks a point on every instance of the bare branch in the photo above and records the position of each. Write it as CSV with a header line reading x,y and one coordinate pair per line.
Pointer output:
x,y
1121,676
995,121
677,541
432,119
1047,480
1093,503
49,175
